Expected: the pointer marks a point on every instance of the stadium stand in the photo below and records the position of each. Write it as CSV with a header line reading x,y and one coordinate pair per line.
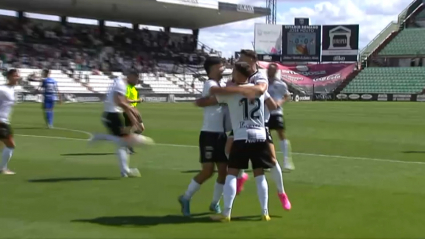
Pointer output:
x,y
406,43
388,80
397,64
77,54
385,35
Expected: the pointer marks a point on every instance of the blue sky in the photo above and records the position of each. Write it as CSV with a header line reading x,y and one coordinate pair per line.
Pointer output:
x,y
371,15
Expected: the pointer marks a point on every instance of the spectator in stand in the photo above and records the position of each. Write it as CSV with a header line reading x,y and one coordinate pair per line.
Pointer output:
x,y
80,47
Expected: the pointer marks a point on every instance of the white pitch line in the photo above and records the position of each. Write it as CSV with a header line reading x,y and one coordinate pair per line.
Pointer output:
x,y
193,146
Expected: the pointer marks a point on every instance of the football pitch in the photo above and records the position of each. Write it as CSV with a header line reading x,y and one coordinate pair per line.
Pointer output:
x,y
359,174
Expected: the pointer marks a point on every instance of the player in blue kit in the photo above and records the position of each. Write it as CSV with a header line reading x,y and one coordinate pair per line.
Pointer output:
x,y
49,89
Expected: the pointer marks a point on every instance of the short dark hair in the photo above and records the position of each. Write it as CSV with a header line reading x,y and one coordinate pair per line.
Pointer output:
x,y
249,53
133,72
10,72
46,71
272,64
211,61
243,68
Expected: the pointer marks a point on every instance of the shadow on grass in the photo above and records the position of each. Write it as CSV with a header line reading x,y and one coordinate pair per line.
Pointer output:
x,y
87,154
59,180
158,220
414,152
197,171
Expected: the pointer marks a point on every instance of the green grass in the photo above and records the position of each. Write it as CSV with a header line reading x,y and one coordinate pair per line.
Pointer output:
x,y
356,177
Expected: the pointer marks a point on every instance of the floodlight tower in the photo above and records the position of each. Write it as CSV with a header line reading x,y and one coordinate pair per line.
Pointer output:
x,y
272,5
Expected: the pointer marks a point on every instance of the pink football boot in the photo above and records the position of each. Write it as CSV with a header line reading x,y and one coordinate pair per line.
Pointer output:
x,y
240,182
286,204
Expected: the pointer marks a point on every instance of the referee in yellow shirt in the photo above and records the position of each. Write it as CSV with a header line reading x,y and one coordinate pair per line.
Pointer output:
x,y
133,98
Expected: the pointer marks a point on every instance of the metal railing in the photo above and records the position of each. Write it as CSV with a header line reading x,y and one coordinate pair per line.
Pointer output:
x,y
369,48
402,15
391,27
208,49
418,8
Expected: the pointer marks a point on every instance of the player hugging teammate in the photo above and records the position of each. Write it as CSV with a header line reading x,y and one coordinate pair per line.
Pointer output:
x,y
212,141
252,141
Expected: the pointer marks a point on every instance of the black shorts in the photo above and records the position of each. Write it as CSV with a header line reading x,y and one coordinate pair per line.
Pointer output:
x,y
127,121
5,131
242,152
276,122
268,136
212,147
113,122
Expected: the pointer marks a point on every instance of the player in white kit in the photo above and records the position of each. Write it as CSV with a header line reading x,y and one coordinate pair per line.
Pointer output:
x,y
7,100
260,86
115,103
250,138
278,90
212,141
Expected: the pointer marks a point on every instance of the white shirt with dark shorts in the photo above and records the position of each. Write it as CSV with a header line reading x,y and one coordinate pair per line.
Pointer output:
x,y
277,90
250,135
112,115
212,138
7,100
257,78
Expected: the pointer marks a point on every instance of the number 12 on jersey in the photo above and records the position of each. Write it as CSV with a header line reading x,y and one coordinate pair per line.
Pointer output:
x,y
250,108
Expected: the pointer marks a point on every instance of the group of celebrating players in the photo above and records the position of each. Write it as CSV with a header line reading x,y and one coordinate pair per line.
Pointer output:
x,y
247,107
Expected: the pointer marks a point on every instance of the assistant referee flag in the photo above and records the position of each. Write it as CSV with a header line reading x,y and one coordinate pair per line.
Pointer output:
x,y
132,94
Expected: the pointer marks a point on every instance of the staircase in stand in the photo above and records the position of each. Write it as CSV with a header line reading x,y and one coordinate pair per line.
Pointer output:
x,y
78,80
27,86
347,81
207,50
385,33
379,48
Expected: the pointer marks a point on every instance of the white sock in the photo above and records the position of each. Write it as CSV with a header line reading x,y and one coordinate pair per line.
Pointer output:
x,y
6,156
284,148
192,189
123,159
229,194
263,193
241,172
277,176
227,155
218,192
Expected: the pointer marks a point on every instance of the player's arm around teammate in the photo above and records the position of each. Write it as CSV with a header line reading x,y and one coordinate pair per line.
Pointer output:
x,y
212,139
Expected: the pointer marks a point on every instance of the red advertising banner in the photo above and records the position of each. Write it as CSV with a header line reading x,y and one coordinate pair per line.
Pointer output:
x,y
324,77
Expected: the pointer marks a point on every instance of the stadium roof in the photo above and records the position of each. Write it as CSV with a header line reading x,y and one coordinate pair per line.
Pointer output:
x,y
188,14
